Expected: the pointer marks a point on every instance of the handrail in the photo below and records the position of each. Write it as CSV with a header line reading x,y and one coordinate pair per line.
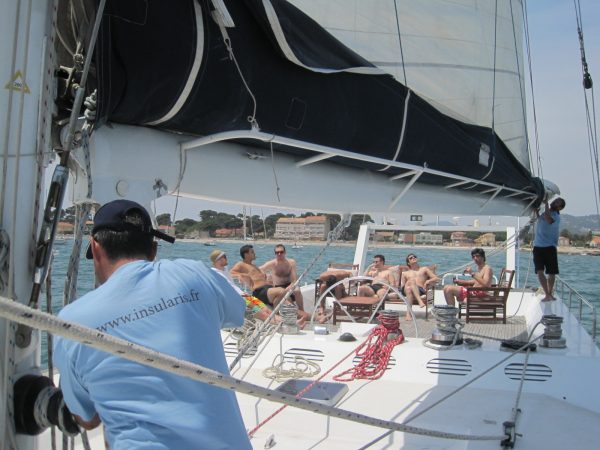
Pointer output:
x,y
582,301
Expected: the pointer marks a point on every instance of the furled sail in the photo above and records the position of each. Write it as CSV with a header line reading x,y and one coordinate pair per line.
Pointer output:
x,y
195,68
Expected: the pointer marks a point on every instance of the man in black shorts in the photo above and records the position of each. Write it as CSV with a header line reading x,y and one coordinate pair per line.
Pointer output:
x,y
382,278
545,256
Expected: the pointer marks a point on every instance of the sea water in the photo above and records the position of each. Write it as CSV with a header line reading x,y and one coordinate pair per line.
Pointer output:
x,y
579,271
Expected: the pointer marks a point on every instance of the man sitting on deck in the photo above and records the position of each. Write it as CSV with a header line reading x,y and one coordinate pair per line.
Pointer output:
x,y
414,282
256,280
283,273
382,279
481,278
254,306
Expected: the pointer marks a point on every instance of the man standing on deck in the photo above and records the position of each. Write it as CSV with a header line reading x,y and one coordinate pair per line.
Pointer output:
x,y
174,307
545,242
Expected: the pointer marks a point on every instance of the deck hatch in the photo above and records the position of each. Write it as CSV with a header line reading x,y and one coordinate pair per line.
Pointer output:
x,y
325,392
445,366
310,354
534,372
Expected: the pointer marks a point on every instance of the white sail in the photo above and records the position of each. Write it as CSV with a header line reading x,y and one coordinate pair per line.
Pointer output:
x,y
465,56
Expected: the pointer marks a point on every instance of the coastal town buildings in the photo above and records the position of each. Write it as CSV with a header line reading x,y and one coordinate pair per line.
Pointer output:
x,y
302,228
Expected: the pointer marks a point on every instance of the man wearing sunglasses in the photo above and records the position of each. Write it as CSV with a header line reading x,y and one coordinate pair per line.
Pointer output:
x,y
282,271
415,280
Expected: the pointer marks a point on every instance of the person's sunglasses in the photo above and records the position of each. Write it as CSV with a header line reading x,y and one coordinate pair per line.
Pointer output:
x,y
279,252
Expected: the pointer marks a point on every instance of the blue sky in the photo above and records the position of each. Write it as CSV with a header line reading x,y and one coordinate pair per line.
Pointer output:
x,y
559,98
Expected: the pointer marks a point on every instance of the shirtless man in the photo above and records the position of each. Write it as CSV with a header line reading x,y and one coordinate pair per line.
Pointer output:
x,y
283,273
254,306
380,275
250,275
415,280
481,278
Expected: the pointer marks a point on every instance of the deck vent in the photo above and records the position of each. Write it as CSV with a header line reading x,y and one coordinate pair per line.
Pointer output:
x,y
391,363
307,353
445,366
231,350
534,372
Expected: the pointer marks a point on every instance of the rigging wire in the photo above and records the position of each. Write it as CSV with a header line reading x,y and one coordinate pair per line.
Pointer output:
x,y
463,386
540,172
494,77
588,85
521,83
400,43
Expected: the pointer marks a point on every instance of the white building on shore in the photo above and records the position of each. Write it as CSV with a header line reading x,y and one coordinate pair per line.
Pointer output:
x,y
302,228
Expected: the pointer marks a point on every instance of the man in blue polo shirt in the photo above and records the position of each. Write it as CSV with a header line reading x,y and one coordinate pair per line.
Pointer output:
x,y
175,307
544,246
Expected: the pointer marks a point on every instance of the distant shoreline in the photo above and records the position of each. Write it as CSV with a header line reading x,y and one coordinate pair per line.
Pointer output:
x,y
288,244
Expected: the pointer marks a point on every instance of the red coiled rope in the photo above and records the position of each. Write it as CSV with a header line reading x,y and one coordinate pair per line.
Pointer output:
x,y
377,351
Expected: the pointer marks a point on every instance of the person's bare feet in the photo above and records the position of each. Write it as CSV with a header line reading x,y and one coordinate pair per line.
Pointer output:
x,y
301,322
548,298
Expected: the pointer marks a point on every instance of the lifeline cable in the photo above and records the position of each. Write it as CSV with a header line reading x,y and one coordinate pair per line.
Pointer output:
x,y
302,392
460,388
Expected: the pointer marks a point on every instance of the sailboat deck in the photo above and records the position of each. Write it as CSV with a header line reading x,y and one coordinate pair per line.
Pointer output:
x,y
515,328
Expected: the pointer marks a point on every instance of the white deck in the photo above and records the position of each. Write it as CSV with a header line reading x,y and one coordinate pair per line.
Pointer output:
x,y
560,405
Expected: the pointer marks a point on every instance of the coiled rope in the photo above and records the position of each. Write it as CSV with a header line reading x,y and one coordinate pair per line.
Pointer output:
x,y
119,347
377,349
301,368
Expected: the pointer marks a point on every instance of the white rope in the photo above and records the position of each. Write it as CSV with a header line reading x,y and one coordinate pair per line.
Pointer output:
x,y
300,368
119,347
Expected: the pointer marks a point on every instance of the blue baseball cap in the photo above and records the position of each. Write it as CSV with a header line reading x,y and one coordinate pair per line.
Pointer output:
x,y
111,216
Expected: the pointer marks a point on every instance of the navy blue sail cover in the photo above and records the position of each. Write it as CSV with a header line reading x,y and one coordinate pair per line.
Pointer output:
x,y
166,64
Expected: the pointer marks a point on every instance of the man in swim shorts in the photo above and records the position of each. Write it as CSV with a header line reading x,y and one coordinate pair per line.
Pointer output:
x,y
282,271
382,278
415,280
256,280
481,278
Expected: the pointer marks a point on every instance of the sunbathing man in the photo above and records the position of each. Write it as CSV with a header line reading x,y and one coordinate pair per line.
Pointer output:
x,y
331,277
250,275
382,277
414,282
481,278
254,306
283,274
